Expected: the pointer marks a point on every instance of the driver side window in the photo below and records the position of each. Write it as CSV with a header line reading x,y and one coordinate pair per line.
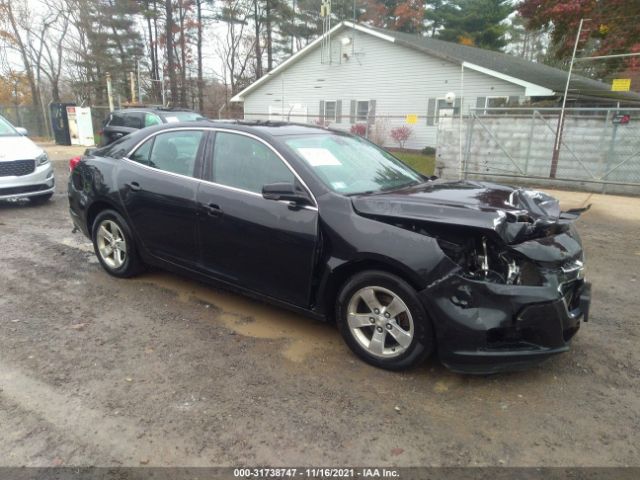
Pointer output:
x,y
242,162
174,152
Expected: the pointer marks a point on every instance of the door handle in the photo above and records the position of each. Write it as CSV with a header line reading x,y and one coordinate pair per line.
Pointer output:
x,y
135,186
213,210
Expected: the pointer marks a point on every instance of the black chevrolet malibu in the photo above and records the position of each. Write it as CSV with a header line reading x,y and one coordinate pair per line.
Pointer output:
x,y
488,276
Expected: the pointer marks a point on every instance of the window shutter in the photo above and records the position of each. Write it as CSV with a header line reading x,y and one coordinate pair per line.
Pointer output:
x,y
352,112
431,111
514,100
338,111
456,105
372,111
481,102
321,111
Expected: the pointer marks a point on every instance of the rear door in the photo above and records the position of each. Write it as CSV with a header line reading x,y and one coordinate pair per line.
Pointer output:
x,y
264,245
158,187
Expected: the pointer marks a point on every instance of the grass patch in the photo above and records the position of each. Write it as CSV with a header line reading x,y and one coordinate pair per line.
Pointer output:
x,y
425,164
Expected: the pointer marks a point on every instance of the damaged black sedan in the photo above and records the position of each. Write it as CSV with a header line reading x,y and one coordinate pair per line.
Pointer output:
x,y
490,277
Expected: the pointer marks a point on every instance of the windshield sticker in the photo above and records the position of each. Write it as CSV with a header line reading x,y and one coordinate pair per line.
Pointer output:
x,y
318,157
172,119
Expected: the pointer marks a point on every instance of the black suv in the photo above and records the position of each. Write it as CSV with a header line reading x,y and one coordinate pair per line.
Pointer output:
x,y
122,122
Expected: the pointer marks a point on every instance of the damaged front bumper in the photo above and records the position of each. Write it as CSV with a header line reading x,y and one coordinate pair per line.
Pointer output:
x,y
485,327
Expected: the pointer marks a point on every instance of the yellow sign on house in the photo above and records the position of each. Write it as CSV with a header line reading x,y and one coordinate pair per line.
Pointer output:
x,y
411,119
621,85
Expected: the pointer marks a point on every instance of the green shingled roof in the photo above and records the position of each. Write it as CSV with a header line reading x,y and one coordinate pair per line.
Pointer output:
x,y
537,73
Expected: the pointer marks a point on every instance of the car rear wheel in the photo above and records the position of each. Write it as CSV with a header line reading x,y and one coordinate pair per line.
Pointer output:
x,y
114,246
383,321
40,199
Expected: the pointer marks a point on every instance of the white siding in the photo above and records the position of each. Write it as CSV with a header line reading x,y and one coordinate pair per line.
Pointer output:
x,y
399,79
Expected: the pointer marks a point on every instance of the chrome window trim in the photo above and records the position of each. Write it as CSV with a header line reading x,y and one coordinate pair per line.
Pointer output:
x,y
313,207
153,169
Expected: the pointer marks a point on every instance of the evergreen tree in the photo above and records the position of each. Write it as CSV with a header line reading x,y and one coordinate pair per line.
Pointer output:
x,y
480,23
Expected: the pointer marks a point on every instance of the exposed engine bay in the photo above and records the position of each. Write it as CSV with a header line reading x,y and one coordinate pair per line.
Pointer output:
x,y
504,236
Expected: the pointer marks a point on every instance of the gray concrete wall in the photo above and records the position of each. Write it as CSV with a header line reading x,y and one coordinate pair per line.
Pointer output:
x,y
518,148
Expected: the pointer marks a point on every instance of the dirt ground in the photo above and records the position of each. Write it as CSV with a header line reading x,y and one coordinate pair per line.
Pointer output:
x,y
162,370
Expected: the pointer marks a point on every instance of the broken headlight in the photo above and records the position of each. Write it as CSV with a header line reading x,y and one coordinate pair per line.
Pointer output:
x,y
483,259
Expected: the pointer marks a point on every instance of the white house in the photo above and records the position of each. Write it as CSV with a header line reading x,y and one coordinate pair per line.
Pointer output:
x,y
357,74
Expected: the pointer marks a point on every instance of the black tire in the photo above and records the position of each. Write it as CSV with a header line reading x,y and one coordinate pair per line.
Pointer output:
x,y
131,265
422,341
40,199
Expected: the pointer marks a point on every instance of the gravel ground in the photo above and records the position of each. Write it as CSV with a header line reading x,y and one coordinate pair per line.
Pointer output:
x,y
162,370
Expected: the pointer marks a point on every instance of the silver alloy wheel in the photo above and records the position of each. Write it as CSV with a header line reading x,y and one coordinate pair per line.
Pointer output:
x,y
111,244
380,321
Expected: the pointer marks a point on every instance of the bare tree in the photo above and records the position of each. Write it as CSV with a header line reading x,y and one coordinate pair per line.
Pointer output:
x,y
237,48
20,41
171,65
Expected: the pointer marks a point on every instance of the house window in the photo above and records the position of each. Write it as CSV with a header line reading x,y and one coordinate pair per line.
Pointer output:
x,y
496,102
445,109
362,110
330,111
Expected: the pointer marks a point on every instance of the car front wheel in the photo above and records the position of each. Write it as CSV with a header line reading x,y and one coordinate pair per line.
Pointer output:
x,y
383,321
114,246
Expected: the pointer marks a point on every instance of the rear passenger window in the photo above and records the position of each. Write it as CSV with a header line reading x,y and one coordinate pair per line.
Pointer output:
x,y
133,120
174,152
116,120
141,155
243,162
150,119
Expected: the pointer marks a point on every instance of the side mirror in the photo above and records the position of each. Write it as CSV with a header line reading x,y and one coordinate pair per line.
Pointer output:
x,y
22,131
287,192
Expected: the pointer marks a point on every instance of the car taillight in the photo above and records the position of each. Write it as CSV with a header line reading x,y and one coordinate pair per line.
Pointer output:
x,y
73,163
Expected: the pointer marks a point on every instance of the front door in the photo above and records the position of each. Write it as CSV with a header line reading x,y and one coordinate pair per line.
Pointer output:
x,y
159,189
264,245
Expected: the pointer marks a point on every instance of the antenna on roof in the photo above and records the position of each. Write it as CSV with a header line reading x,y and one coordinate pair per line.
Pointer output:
x,y
325,15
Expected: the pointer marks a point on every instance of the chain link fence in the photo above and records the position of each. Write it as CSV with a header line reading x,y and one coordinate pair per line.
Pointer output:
x,y
39,126
28,117
597,149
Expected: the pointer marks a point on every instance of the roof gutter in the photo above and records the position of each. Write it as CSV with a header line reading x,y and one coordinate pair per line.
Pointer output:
x,y
530,89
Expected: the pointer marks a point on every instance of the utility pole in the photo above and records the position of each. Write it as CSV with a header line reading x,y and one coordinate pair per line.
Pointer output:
x,y
132,82
558,142
109,92
139,86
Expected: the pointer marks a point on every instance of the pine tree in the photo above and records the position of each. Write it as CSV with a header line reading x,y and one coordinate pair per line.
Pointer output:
x,y
476,22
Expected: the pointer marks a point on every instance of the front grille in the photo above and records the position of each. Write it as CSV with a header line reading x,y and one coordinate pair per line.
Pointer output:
x,y
25,189
17,168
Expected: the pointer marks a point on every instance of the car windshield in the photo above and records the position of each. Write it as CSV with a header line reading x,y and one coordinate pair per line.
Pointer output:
x,y
352,165
6,129
173,117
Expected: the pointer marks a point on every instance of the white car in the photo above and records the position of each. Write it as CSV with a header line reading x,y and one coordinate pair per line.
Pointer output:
x,y
25,169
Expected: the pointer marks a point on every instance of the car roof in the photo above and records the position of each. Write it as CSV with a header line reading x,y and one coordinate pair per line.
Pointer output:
x,y
271,128
263,129
152,110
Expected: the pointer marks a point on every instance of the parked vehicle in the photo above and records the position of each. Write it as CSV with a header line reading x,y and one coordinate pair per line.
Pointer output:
x,y
25,169
327,224
122,122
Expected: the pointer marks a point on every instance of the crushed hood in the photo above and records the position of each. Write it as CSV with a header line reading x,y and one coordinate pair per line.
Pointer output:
x,y
514,214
